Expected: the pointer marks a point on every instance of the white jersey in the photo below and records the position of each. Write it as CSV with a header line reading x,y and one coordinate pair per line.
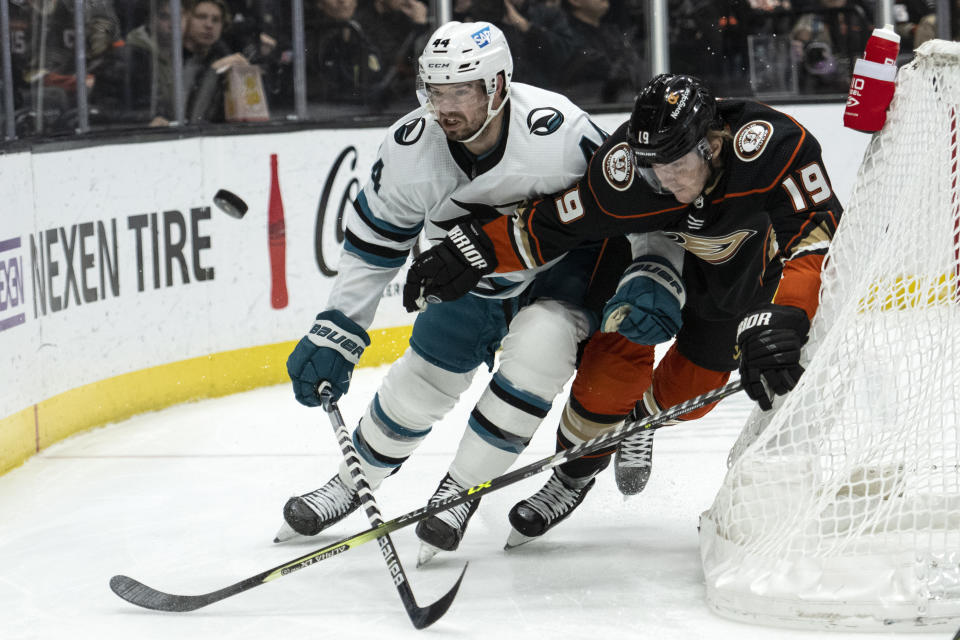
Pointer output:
x,y
421,183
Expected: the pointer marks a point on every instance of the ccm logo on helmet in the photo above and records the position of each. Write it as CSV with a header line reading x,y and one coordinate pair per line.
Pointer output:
x,y
482,37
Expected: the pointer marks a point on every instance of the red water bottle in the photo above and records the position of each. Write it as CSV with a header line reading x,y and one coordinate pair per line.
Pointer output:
x,y
873,82
883,46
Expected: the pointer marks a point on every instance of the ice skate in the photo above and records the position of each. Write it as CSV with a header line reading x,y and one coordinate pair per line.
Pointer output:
x,y
634,462
444,531
542,511
311,513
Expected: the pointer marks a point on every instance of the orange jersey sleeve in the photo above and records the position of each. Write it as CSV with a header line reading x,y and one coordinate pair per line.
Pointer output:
x,y
800,283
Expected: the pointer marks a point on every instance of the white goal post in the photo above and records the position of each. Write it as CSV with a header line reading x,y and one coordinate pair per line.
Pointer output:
x,y
841,507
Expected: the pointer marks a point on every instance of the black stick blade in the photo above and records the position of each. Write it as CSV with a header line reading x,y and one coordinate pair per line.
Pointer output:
x,y
423,617
141,595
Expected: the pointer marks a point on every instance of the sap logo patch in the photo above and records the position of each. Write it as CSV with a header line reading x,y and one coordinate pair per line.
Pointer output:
x,y
482,37
751,139
409,132
618,167
544,120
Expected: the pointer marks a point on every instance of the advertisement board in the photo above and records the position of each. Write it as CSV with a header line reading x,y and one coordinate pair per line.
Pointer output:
x,y
124,288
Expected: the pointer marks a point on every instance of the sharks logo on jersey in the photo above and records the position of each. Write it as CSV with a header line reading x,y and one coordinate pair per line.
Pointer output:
x,y
544,120
409,132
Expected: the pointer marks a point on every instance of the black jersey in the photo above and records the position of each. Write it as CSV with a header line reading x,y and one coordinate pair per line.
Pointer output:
x,y
771,201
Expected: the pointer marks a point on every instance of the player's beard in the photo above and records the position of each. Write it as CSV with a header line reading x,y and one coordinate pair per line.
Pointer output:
x,y
464,130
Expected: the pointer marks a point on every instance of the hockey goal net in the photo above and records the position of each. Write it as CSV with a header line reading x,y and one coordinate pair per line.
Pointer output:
x,y
841,507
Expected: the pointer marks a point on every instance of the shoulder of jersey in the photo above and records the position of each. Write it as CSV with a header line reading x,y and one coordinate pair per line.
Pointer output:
x,y
412,130
612,164
758,131
540,113
613,180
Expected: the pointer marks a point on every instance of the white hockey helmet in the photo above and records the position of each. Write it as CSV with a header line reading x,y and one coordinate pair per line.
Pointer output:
x,y
464,52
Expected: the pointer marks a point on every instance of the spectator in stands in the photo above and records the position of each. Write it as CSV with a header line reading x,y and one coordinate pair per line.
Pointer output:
x,y
400,29
205,58
828,39
21,15
51,70
916,22
262,31
253,28
131,13
540,39
605,65
343,63
149,48
537,31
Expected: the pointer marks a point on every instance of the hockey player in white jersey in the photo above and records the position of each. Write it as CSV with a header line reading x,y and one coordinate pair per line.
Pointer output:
x,y
478,146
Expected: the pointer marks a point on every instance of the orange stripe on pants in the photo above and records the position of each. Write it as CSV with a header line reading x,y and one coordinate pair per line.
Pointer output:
x,y
613,374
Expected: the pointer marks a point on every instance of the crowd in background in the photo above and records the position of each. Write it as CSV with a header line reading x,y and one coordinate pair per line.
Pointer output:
x,y
237,58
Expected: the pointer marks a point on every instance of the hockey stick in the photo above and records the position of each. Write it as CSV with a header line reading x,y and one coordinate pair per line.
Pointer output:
x,y
421,617
141,595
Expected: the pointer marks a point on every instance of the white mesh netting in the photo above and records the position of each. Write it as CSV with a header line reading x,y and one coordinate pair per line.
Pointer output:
x,y
841,508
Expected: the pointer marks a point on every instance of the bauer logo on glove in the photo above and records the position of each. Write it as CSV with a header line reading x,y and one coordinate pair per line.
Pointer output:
x,y
647,306
347,345
325,357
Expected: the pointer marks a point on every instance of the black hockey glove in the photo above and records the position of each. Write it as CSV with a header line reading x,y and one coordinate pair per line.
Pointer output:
x,y
770,339
450,269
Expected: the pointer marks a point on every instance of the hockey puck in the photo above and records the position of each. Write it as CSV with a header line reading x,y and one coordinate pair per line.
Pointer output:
x,y
230,203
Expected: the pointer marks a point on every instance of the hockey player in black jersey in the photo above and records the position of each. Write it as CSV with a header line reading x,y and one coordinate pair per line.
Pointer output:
x,y
740,192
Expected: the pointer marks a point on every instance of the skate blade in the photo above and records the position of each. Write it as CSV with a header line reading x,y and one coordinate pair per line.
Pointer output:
x,y
628,489
285,534
516,539
426,554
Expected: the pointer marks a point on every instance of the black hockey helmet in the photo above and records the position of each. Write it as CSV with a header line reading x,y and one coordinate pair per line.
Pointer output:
x,y
671,116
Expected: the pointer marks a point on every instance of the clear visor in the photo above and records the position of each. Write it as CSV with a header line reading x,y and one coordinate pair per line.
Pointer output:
x,y
462,97
677,175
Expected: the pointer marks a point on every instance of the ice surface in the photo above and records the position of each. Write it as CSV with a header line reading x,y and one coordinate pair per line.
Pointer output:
x,y
188,499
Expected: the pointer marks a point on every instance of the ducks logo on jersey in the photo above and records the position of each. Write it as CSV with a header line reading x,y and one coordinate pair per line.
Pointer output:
x,y
751,139
618,167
